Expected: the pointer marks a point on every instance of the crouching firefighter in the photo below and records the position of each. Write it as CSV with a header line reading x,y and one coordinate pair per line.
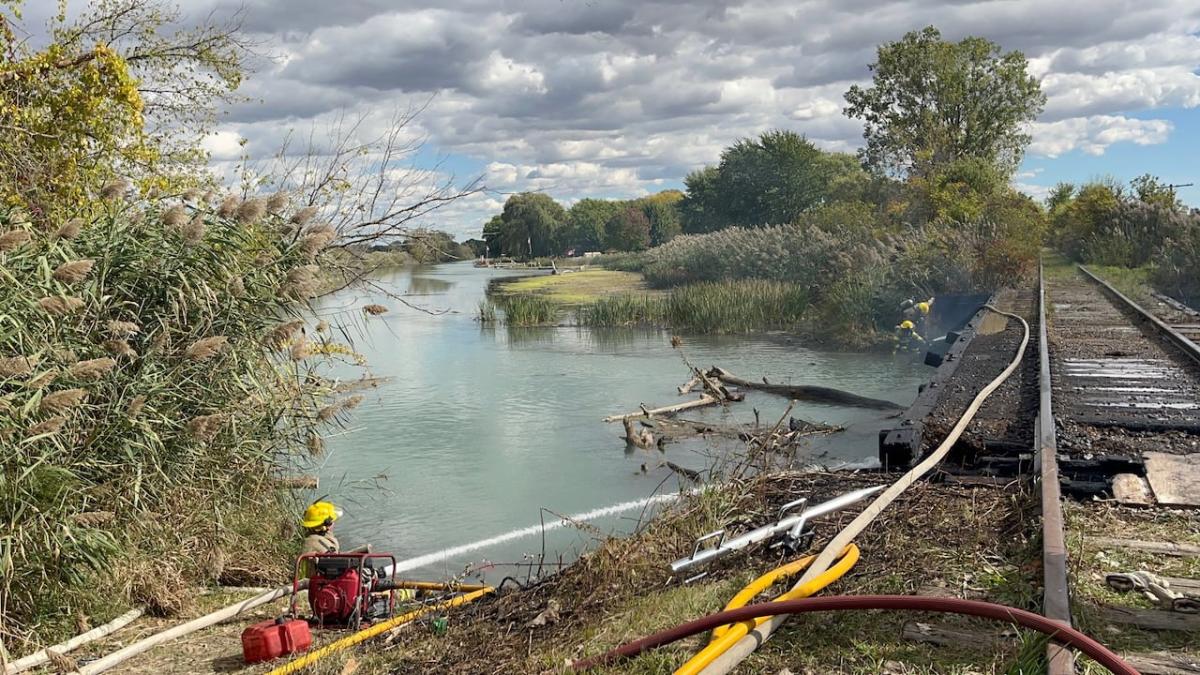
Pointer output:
x,y
907,338
318,522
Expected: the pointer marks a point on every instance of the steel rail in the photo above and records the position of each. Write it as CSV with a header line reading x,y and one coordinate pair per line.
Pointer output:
x,y
1181,342
1056,603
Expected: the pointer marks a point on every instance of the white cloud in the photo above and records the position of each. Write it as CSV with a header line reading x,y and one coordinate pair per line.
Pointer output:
x,y
620,97
1094,134
223,145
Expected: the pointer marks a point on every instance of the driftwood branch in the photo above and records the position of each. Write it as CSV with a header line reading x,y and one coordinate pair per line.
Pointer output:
x,y
641,438
812,393
705,400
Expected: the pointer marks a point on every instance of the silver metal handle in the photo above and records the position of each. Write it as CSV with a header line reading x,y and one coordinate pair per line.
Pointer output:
x,y
710,535
788,506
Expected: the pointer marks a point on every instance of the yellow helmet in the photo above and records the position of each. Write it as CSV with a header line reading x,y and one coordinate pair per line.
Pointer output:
x,y
923,307
906,325
320,513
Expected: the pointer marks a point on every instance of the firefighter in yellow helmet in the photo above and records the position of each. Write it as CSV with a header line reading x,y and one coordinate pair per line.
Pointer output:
x,y
907,337
318,522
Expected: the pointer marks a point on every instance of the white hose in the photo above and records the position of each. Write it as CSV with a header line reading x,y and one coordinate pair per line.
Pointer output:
x,y
121,655
746,646
38,658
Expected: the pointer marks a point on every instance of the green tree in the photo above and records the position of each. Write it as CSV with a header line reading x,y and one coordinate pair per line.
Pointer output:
x,y
531,225
628,230
933,102
586,220
700,209
1154,192
1077,221
121,90
662,210
1060,196
768,180
772,179
492,235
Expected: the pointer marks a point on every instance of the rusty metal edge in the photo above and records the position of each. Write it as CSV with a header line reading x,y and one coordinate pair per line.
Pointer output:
x,y
1056,602
1188,347
927,399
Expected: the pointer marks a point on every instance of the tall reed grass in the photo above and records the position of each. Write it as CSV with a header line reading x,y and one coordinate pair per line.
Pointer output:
x,y
141,379
741,306
852,280
528,310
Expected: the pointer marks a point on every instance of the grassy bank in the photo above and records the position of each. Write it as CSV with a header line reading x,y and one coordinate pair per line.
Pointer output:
x,y
714,307
573,289
957,540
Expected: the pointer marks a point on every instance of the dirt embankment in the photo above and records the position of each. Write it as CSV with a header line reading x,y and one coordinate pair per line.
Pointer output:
x,y
956,541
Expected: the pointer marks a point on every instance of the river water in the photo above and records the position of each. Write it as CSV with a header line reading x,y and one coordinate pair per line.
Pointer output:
x,y
477,429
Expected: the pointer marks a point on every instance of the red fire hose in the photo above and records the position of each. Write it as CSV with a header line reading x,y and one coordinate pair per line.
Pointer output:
x,y
1063,634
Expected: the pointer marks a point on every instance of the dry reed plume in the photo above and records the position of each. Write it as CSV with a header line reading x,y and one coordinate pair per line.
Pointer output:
x,y
193,232
135,406
375,310
114,189
16,366
13,239
62,401
304,215
229,206
333,409
205,427
301,282
301,350
50,426
236,287
70,229
60,305
119,348
92,369
42,381
251,211
277,202
316,239
175,216
281,334
73,272
205,348
123,329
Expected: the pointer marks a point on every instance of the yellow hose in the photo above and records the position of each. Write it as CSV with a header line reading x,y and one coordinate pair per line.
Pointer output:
x,y
727,636
379,628
754,588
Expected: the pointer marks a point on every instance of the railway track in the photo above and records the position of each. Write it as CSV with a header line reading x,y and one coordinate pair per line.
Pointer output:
x,y
1119,413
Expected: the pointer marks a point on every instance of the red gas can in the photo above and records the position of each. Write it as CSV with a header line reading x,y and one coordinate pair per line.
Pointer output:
x,y
278,637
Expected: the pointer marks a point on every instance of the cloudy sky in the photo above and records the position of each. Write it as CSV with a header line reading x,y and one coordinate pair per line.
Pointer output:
x,y
623,97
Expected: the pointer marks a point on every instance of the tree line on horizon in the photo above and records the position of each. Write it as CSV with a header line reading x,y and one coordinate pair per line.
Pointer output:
x,y
945,128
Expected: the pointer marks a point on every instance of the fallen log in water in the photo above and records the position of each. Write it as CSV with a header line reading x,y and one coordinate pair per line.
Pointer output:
x,y
666,410
802,392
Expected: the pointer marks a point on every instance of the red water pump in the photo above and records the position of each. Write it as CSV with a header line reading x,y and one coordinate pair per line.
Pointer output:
x,y
345,589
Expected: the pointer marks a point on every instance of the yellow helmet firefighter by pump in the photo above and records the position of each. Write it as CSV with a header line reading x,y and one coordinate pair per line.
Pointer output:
x,y
906,325
320,514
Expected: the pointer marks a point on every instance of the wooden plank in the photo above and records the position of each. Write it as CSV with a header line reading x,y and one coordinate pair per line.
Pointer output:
x,y
953,636
1131,490
1149,619
1163,547
1185,586
1175,479
1163,663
